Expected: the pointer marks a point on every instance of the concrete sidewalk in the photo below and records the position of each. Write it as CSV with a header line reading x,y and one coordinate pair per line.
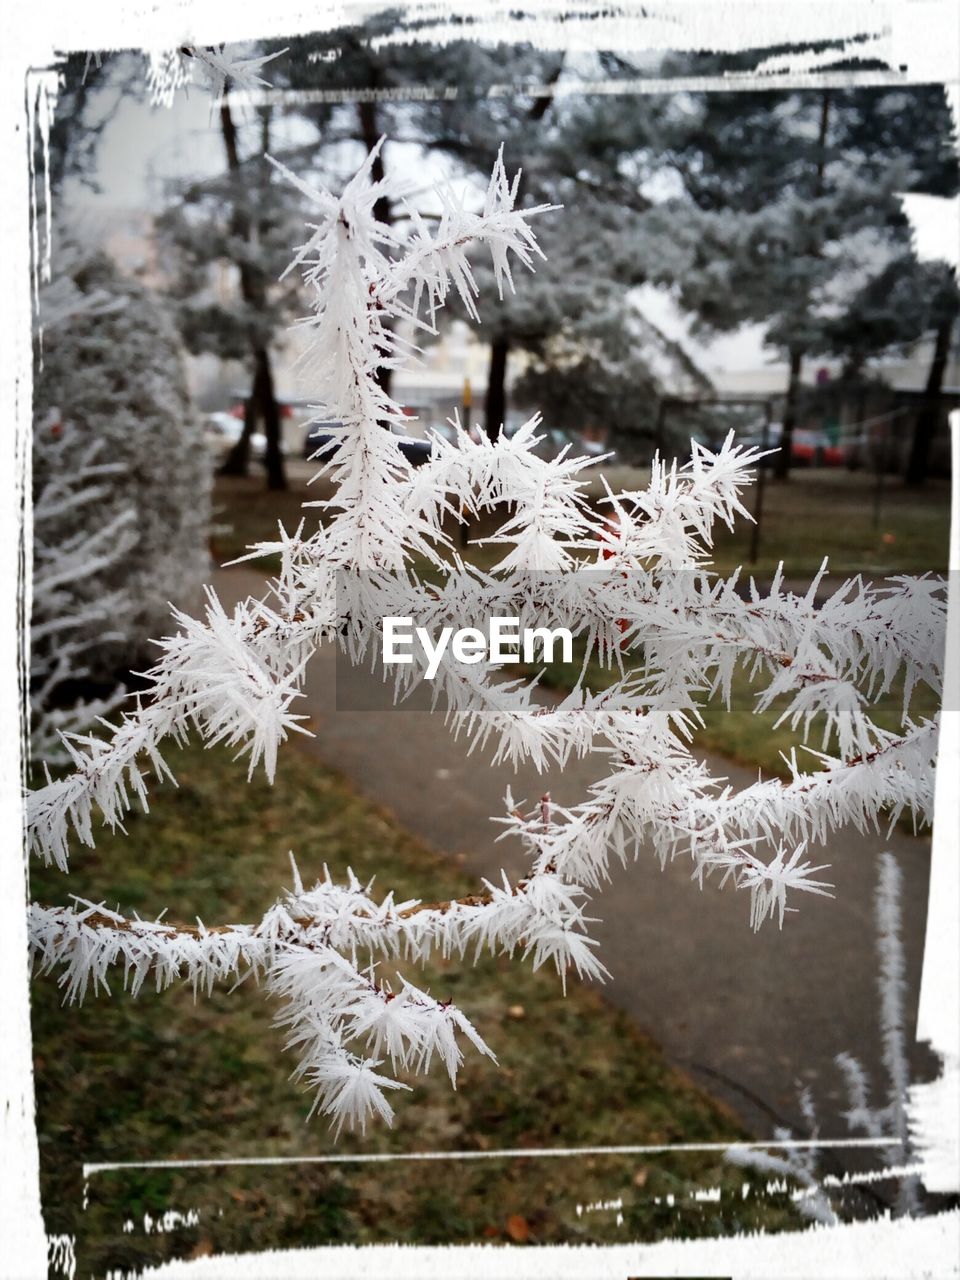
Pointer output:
x,y
749,1015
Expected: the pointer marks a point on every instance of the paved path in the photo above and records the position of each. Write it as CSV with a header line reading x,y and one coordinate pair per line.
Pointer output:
x,y
749,1015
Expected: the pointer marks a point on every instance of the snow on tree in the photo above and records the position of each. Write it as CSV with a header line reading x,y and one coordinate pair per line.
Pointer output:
x,y
571,328
579,296
216,66
111,373
641,588
81,531
244,218
81,528
457,126
792,205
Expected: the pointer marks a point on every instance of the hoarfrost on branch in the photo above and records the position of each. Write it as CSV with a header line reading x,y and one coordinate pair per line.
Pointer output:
x,y
637,581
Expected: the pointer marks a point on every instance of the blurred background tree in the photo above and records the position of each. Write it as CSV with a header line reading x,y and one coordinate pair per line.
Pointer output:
x,y
790,209
608,366
242,220
778,210
458,132
115,375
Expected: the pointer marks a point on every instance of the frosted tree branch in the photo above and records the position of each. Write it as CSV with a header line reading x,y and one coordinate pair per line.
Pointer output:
x,y
632,581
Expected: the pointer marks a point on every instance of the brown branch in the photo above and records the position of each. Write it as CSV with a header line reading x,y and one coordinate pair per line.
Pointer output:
x,y
105,920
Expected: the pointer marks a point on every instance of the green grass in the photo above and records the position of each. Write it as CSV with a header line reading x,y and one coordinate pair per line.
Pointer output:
x,y
162,1077
832,513
247,512
749,738
835,513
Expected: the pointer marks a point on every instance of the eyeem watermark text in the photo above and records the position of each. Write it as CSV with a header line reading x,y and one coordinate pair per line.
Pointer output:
x,y
503,641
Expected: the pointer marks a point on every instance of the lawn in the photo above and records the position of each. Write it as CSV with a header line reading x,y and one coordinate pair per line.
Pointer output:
x,y
815,513
162,1077
826,512
834,513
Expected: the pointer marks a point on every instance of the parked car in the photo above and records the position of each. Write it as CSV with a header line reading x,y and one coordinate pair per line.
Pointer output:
x,y
596,449
555,439
808,447
294,417
816,449
323,439
222,431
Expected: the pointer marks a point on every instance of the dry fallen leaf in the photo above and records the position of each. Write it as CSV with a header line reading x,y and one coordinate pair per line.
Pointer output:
x,y
518,1228
516,1011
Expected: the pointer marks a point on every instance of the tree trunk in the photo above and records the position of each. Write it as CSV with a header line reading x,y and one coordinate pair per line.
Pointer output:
x,y
781,468
495,404
926,421
781,462
382,208
237,461
270,413
369,128
262,399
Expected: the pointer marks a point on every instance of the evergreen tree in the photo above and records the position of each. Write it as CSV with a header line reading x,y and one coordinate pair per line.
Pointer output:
x,y
112,373
789,195
611,368
239,219
583,155
592,156
351,61
905,300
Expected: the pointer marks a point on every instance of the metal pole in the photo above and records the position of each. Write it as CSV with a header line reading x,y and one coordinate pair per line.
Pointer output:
x,y
467,406
758,494
881,468
467,403
661,425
